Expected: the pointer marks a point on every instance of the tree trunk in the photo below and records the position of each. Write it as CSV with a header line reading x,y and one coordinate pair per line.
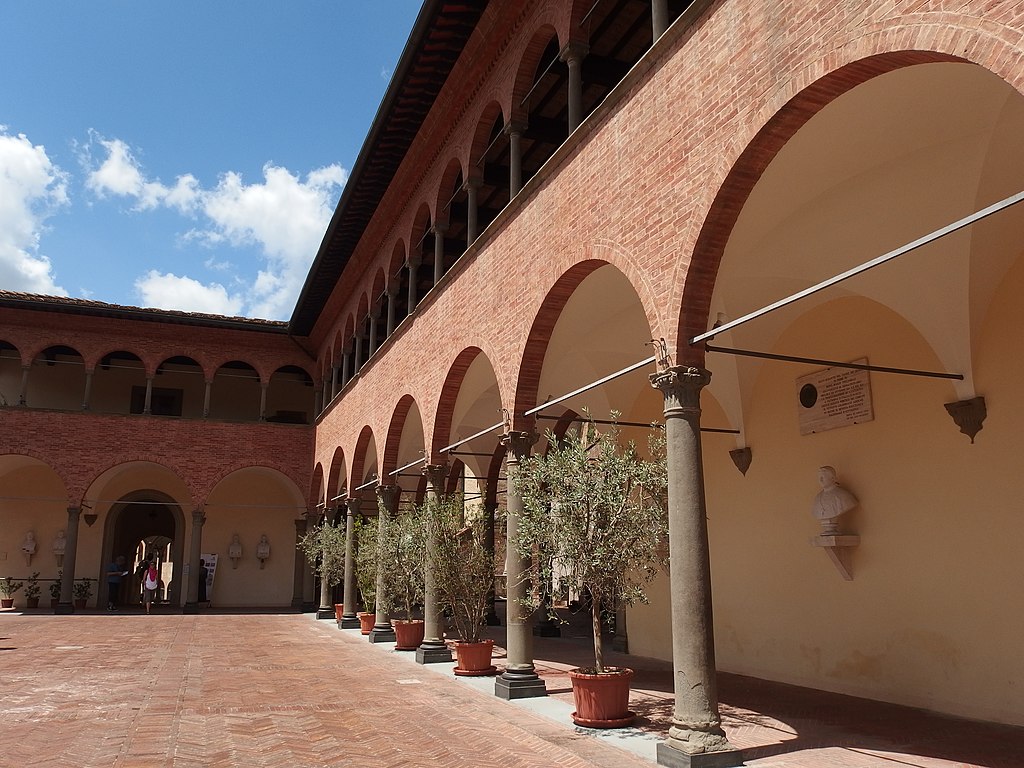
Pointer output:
x,y
595,614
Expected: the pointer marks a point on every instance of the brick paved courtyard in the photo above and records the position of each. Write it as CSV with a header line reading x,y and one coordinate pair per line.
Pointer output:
x,y
285,690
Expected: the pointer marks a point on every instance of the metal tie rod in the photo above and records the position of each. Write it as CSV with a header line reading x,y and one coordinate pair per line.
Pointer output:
x,y
834,363
465,440
648,425
599,382
929,238
366,485
420,460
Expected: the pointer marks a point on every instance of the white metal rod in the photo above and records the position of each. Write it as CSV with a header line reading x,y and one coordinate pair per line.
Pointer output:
x,y
465,440
597,383
364,486
420,460
939,233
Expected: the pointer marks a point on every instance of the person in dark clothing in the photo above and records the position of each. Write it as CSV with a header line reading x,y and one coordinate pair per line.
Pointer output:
x,y
115,572
203,575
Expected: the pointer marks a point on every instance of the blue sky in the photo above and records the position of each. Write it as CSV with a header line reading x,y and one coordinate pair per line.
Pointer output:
x,y
186,155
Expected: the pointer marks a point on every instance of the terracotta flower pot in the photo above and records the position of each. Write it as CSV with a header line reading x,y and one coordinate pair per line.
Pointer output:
x,y
31,602
366,622
80,602
602,701
54,602
408,634
6,602
474,659
339,609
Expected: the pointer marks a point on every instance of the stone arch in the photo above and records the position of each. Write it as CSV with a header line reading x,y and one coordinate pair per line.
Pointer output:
x,y
337,477
391,447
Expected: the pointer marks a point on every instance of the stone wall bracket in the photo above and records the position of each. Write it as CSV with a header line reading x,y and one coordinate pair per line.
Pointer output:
x,y
839,549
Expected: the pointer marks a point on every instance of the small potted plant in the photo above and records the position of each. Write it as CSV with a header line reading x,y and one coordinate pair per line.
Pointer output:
x,y
8,587
325,546
55,590
81,592
599,510
401,553
366,571
463,576
32,590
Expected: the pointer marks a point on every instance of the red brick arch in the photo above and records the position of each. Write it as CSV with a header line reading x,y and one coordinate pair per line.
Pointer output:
x,y
393,443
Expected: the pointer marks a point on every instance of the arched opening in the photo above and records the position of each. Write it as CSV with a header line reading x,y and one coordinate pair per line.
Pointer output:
x,y
492,167
235,392
115,380
290,396
179,389
56,380
10,374
144,524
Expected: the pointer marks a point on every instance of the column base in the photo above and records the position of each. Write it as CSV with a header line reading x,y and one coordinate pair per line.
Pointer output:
x,y
64,609
325,613
348,622
297,603
433,653
676,758
382,634
190,608
519,685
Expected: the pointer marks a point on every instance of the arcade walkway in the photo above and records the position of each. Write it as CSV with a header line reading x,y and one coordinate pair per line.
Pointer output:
x,y
216,690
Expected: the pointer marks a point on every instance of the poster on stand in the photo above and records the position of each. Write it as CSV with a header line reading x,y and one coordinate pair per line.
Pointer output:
x,y
211,572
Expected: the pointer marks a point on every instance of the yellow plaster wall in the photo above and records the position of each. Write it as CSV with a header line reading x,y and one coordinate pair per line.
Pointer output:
x,y
34,500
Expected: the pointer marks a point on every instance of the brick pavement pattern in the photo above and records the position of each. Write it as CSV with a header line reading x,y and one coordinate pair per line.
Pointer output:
x,y
111,690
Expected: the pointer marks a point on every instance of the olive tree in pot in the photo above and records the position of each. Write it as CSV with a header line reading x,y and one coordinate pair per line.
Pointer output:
x,y
463,575
401,554
8,587
598,509
324,545
366,570
32,590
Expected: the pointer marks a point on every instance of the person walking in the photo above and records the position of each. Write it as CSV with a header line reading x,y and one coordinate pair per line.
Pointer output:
x,y
115,573
150,583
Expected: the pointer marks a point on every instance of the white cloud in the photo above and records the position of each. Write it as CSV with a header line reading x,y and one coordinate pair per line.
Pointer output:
x,y
282,215
169,291
31,189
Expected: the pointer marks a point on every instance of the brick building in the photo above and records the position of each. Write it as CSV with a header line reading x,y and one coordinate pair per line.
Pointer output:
x,y
547,187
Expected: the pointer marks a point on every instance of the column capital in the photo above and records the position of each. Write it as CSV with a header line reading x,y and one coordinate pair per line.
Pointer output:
x,y
74,512
435,474
473,182
198,518
392,289
388,495
514,126
574,51
518,444
352,503
681,386
439,229
413,260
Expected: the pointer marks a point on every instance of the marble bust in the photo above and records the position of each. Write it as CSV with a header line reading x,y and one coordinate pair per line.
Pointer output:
x,y
235,550
60,544
831,502
263,549
28,547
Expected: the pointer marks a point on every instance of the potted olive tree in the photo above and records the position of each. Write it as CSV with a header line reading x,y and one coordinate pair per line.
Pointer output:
x,y
598,510
324,545
463,576
32,590
401,555
55,590
81,592
366,571
8,588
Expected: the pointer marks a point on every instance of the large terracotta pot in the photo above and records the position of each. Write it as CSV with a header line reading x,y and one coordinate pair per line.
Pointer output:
x,y
339,609
366,622
474,659
602,701
6,602
31,602
408,634
80,602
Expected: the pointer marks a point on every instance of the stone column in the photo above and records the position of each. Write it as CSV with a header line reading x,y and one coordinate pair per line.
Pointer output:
x,y
392,297
439,230
515,158
373,330
659,18
696,733
472,187
309,601
413,265
23,394
433,648
573,55
349,619
206,398
147,407
263,400
300,564
88,390
490,508
67,582
358,344
382,631
334,381
520,679
195,549
346,364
